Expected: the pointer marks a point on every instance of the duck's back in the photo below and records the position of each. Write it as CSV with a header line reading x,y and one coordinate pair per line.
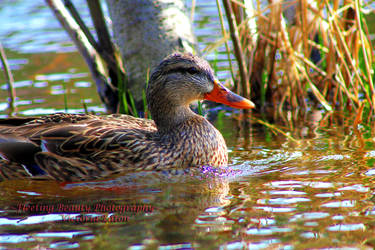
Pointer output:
x,y
66,146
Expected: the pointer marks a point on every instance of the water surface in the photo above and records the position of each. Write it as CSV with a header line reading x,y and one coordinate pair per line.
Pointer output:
x,y
313,191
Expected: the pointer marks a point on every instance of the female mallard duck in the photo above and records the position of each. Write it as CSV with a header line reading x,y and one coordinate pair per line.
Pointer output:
x,y
69,147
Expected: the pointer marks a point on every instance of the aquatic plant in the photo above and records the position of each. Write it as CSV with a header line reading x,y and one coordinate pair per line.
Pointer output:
x,y
298,55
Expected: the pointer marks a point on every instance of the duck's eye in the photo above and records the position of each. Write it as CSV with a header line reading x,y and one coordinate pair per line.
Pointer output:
x,y
192,70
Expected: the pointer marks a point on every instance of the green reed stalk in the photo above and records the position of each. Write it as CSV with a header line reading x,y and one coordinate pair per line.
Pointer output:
x,y
132,103
65,97
84,105
200,109
123,103
145,108
144,97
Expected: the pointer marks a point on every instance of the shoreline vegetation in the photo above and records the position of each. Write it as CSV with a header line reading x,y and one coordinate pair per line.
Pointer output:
x,y
305,55
288,57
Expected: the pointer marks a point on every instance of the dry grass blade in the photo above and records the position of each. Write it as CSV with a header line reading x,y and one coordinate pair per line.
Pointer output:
x,y
358,117
364,49
215,45
346,52
274,128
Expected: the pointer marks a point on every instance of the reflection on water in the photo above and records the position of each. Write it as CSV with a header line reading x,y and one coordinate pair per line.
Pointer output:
x,y
44,62
315,192
306,196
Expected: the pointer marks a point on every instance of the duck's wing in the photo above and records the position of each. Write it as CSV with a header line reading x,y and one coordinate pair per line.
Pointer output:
x,y
88,137
66,140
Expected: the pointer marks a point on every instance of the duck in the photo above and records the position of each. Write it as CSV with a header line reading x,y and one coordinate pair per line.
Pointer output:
x,y
83,147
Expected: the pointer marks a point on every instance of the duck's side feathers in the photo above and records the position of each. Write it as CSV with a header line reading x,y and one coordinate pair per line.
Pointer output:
x,y
72,169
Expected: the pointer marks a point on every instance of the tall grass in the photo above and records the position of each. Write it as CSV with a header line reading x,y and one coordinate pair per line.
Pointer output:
x,y
298,55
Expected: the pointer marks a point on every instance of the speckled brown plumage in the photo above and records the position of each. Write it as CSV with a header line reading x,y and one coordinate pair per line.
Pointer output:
x,y
69,147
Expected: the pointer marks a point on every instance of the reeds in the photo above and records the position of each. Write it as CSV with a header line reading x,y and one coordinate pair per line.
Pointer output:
x,y
300,55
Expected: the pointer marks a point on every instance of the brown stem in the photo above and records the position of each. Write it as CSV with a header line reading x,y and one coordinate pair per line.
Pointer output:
x,y
104,47
105,43
237,48
73,11
9,78
106,91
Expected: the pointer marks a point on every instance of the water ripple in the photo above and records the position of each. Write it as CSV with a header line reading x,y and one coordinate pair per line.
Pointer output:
x,y
347,227
343,203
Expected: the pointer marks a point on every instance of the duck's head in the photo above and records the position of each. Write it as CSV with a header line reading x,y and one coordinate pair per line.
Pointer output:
x,y
183,78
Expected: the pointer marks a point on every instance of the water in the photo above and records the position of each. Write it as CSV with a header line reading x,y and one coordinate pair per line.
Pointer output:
x,y
46,67
313,191
316,192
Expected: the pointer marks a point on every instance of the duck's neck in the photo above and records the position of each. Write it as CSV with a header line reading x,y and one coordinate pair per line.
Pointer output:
x,y
170,117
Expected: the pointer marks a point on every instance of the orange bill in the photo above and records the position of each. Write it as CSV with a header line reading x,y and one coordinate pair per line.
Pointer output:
x,y
223,95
